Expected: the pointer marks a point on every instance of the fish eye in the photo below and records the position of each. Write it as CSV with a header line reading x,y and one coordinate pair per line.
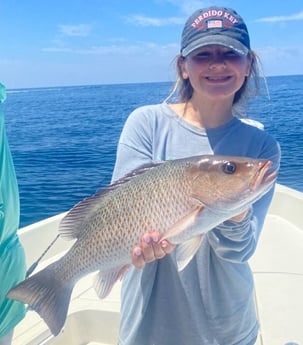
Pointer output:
x,y
229,167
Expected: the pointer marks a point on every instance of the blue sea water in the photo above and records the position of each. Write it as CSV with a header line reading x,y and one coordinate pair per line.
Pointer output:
x,y
64,139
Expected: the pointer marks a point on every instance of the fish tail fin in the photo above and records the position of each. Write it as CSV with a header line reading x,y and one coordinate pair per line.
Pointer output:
x,y
43,293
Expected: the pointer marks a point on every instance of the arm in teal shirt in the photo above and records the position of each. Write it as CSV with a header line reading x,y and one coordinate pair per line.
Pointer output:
x,y
12,258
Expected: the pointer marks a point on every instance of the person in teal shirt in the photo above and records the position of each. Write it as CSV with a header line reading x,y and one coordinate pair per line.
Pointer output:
x,y
12,256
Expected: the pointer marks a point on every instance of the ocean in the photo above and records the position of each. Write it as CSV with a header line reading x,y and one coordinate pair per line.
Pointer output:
x,y
63,139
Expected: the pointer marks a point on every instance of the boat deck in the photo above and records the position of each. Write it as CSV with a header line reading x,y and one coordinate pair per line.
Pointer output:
x,y
278,272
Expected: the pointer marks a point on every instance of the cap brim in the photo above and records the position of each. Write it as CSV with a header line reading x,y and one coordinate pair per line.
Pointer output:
x,y
221,40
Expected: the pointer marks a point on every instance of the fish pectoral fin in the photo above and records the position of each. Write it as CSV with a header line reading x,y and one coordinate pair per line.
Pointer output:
x,y
186,251
105,281
183,223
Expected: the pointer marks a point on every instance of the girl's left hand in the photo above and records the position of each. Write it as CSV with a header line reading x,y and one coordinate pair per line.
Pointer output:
x,y
239,217
150,248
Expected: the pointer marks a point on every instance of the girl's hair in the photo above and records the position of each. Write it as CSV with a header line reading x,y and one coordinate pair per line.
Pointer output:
x,y
182,90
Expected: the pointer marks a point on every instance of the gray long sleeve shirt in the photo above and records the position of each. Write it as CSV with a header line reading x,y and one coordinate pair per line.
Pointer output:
x,y
211,301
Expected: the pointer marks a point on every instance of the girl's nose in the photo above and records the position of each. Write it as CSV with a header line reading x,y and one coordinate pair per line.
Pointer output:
x,y
217,61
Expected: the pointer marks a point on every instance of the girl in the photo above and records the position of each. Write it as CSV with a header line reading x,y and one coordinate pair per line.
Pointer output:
x,y
211,301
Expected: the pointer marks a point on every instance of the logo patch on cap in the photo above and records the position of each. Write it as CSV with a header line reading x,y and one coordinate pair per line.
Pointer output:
x,y
211,24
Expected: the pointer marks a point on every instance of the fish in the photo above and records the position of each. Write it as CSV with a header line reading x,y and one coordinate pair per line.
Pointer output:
x,y
182,199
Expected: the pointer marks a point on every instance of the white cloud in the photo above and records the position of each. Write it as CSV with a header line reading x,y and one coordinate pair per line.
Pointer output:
x,y
152,21
274,19
57,50
81,30
185,6
138,49
189,6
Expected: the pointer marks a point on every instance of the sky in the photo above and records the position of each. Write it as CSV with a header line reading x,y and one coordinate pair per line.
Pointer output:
x,y
48,43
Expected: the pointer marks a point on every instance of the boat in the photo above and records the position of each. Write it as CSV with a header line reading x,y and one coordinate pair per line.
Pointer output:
x,y
277,267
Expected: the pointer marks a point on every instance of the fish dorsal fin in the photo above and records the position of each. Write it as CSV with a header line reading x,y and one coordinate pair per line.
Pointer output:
x,y
186,251
104,281
72,224
129,176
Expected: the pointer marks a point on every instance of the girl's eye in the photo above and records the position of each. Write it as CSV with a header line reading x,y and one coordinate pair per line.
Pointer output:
x,y
231,55
225,55
202,55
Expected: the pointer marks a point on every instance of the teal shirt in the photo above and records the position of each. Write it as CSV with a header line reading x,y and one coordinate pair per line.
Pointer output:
x,y
12,257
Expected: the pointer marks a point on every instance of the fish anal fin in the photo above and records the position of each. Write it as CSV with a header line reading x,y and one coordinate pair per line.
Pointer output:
x,y
104,281
186,251
182,224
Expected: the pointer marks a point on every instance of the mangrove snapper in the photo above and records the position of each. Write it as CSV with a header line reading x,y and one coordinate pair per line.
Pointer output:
x,y
181,198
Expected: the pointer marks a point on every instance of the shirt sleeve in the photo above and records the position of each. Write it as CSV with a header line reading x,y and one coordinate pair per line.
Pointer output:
x,y
135,144
12,256
237,241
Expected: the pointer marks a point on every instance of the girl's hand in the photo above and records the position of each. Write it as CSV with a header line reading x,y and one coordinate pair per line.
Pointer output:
x,y
239,217
150,248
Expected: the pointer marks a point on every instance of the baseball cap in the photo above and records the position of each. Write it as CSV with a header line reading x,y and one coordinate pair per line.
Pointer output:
x,y
215,25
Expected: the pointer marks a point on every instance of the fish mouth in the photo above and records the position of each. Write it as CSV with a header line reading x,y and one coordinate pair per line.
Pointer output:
x,y
263,178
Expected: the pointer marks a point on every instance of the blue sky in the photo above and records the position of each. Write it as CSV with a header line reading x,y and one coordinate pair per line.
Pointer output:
x,y
82,42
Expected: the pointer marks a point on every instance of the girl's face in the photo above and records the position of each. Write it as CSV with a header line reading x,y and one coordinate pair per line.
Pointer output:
x,y
215,71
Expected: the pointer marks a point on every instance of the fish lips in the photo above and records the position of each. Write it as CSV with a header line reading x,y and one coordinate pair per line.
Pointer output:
x,y
263,178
